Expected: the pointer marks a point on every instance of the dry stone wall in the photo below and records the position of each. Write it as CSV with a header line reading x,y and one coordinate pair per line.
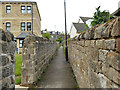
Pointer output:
x,y
7,60
95,56
37,54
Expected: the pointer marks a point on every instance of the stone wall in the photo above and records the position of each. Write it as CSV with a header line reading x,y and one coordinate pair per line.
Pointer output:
x,y
95,56
7,60
37,53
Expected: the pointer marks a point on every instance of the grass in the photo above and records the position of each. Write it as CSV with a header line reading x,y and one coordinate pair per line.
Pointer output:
x,y
18,66
18,80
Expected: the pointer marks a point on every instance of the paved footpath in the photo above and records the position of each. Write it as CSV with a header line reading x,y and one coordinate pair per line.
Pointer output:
x,y
58,74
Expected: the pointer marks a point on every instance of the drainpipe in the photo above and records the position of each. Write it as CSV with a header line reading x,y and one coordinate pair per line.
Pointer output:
x,y
1,26
32,18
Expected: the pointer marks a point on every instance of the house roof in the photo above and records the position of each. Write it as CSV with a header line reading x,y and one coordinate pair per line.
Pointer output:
x,y
84,19
116,13
23,35
80,26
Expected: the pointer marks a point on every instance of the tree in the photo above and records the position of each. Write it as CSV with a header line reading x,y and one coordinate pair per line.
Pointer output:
x,y
59,40
45,29
100,17
46,35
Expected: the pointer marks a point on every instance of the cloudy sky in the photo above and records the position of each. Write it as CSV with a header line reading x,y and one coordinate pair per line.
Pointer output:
x,y
52,11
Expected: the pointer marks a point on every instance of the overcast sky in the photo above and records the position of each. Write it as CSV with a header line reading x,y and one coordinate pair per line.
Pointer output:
x,y
52,11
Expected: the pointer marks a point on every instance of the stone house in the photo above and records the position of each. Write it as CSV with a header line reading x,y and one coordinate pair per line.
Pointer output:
x,y
76,28
21,18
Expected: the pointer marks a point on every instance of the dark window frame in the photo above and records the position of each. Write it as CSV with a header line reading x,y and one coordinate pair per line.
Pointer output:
x,y
8,26
28,26
8,9
28,9
22,9
22,26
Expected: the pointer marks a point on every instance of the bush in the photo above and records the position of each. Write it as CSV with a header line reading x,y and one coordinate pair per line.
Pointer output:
x,y
100,17
59,40
20,52
46,35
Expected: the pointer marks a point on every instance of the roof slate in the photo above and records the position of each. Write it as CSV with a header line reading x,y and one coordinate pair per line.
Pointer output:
x,y
80,27
23,35
85,18
116,13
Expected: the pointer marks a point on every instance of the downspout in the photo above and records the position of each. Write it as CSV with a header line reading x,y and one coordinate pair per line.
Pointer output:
x,y
32,18
1,26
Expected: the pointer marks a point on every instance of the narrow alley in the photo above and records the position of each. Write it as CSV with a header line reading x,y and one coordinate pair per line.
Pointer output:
x,y
58,74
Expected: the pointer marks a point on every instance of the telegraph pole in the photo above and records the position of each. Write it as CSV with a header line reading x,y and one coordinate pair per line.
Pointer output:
x,y
66,47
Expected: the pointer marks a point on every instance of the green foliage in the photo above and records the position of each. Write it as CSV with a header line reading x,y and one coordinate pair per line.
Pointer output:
x,y
18,64
55,52
46,35
68,40
18,80
70,67
44,69
59,39
77,86
57,49
39,77
33,88
100,17
20,52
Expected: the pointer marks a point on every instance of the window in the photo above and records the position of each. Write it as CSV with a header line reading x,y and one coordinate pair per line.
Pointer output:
x,y
22,26
8,26
20,43
28,9
28,26
8,9
22,9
